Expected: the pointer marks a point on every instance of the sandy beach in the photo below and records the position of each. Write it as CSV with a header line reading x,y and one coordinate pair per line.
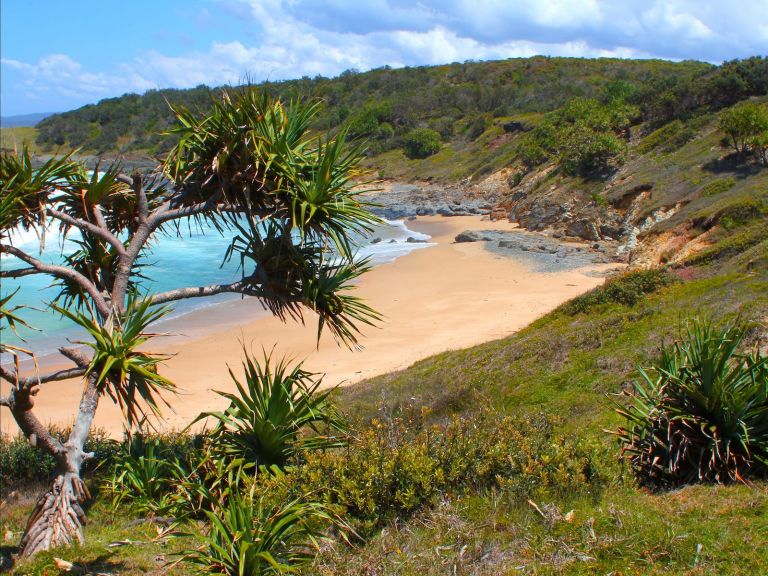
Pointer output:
x,y
437,298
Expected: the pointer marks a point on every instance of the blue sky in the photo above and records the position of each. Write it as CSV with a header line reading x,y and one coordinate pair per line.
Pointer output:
x,y
58,55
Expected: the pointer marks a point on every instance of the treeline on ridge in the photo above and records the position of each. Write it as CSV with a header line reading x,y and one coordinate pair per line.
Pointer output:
x,y
456,101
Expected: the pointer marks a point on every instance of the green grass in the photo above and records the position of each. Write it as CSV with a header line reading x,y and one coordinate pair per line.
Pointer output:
x,y
15,138
569,367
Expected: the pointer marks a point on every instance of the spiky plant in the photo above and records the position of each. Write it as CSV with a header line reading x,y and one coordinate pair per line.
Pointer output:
x,y
143,472
700,414
251,537
123,372
250,158
276,411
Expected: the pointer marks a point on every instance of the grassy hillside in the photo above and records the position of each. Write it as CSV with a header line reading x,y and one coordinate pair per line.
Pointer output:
x,y
496,459
15,138
569,367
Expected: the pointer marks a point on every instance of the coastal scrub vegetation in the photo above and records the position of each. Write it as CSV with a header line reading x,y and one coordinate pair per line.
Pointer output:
x,y
700,413
504,456
287,195
421,143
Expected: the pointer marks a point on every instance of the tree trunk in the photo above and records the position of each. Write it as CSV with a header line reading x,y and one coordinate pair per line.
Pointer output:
x,y
58,517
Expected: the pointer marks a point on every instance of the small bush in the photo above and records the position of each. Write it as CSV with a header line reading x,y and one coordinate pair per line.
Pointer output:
x,y
700,414
24,465
392,470
740,213
421,143
627,289
668,138
718,186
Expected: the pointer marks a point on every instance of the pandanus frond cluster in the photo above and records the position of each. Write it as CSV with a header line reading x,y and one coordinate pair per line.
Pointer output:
x,y
700,414
250,168
276,411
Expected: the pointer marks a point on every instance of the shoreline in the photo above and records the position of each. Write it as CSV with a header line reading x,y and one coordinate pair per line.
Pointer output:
x,y
445,297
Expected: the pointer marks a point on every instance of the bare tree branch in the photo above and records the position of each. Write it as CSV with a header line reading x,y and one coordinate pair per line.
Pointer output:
x,y
64,273
89,227
31,381
247,286
19,272
141,197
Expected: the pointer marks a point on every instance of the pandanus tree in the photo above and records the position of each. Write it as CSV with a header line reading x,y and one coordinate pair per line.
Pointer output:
x,y
250,168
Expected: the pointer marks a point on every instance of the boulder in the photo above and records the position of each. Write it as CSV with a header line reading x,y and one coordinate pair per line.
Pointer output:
x,y
585,229
471,236
608,231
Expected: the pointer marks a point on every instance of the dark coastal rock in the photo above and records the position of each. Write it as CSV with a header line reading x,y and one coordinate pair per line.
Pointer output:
x,y
375,240
540,215
608,231
470,237
425,211
412,240
586,229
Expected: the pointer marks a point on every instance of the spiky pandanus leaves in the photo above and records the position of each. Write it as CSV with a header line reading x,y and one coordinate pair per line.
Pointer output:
x,y
701,413
289,273
124,373
256,152
25,190
277,410
98,262
9,314
142,472
251,537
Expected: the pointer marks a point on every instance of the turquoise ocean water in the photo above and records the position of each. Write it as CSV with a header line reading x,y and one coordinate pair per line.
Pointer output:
x,y
195,259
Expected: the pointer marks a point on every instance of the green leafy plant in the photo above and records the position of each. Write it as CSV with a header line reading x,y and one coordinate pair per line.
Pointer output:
x,y
144,472
421,143
276,411
627,289
250,536
397,467
123,371
701,413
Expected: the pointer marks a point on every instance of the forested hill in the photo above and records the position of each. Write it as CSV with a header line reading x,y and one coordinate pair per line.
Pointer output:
x,y
457,100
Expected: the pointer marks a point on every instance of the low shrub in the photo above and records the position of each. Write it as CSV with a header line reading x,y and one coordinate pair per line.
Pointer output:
x,y
23,465
392,470
740,213
421,143
627,289
668,138
700,414
717,186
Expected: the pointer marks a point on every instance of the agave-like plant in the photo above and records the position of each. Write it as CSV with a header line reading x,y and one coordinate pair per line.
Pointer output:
x,y
143,473
125,373
276,411
251,537
701,413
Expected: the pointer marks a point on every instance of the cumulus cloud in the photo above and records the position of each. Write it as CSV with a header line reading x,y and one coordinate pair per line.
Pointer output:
x,y
60,74
293,38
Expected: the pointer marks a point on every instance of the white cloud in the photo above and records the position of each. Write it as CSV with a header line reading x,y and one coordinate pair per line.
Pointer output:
x,y
58,73
293,38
